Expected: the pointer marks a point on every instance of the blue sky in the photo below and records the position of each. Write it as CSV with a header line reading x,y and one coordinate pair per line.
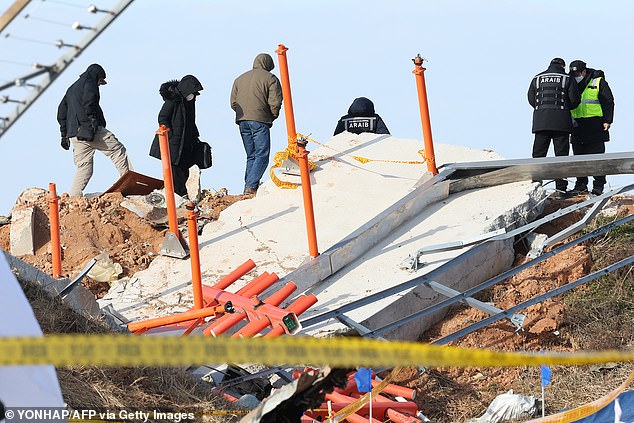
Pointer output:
x,y
481,58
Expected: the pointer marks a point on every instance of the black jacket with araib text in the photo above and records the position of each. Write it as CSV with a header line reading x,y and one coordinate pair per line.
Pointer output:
x,y
590,130
80,105
361,118
553,94
179,115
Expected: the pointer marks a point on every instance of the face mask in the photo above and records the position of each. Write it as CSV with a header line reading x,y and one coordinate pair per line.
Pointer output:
x,y
578,78
189,97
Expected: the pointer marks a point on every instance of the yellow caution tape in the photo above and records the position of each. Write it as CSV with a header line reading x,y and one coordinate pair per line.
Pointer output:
x,y
126,350
363,400
365,160
280,156
587,409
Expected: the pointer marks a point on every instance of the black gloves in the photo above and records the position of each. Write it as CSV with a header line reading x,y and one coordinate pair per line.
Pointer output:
x,y
65,143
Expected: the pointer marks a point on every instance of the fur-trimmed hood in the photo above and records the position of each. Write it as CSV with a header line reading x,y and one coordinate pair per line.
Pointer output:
x,y
168,90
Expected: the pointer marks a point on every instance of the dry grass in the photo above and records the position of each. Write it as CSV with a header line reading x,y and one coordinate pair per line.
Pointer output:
x,y
145,388
599,316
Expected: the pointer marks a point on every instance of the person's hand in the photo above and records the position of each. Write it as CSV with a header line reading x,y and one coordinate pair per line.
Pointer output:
x,y
606,126
65,143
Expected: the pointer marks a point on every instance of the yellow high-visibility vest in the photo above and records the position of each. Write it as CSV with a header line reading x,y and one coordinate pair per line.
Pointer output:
x,y
590,105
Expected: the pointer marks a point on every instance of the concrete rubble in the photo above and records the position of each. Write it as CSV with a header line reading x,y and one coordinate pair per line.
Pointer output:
x,y
347,195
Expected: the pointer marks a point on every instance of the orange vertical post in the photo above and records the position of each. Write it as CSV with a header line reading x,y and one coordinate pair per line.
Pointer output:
x,y
287,97
167,180
419,71
56,247
192,230
308,197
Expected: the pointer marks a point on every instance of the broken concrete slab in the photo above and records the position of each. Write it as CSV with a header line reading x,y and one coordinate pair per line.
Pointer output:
x,y
270,228
22,234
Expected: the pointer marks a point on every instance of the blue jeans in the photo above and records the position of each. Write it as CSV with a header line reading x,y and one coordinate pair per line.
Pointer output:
x,y
257,144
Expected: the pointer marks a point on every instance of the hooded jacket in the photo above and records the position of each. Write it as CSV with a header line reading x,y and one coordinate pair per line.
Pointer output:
x,y
546,87
179,115
361,118
80,105
257,94
590,130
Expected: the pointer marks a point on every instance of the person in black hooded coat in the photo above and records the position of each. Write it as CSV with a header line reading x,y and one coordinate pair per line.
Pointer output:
x,y
82,123
361,118
179,115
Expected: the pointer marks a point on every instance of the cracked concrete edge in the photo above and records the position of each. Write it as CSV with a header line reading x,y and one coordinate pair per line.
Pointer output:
x,y
522,214
80,299
367,235
469,269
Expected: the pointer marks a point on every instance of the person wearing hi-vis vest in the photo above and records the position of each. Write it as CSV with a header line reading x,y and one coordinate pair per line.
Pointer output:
x,y
592,120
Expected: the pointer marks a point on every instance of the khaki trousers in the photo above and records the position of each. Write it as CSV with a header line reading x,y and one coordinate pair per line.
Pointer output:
x,y
84,152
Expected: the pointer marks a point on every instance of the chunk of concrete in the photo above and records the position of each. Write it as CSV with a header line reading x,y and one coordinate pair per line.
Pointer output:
x,y
193,183
21,237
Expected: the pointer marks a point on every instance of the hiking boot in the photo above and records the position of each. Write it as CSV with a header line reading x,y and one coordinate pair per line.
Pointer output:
x,y
597,190
578,191
250,191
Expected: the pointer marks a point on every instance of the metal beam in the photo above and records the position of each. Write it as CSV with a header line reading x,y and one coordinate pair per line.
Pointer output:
x,y
497,172
471,328
62,63
505,275
13,11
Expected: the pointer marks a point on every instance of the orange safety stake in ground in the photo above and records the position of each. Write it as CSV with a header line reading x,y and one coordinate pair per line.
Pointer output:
x,y
56,246
308,197
419,71
287,98
173,245
192,231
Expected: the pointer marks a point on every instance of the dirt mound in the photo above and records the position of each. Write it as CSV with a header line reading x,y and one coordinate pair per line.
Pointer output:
x,y
89,227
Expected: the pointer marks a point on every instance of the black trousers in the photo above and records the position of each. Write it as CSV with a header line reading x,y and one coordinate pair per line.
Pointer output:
x,y
592,148
561,145
180,176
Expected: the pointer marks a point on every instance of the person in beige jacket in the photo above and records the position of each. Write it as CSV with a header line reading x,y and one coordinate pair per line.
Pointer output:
x,y
256,97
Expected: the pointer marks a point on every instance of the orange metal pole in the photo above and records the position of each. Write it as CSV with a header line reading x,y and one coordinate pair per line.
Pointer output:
x,y
194,254
287,97
298,306
249,287
178,318
255,326
419,71
308,197
399,391
226,322
239,272
167,180
56,247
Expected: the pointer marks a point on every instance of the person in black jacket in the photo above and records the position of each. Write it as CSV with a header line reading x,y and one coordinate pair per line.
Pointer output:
x,y
178,113
81,121
592,120
361,118
553,94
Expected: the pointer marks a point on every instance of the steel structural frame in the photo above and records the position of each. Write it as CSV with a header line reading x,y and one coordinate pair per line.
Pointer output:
x,y
53,71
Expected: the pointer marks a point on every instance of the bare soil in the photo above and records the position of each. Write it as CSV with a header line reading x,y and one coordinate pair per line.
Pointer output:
x,y
91,226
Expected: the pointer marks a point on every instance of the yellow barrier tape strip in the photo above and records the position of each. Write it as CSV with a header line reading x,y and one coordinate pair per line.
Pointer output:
x,y
125,350
363,400
365,160
587,409
280,156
